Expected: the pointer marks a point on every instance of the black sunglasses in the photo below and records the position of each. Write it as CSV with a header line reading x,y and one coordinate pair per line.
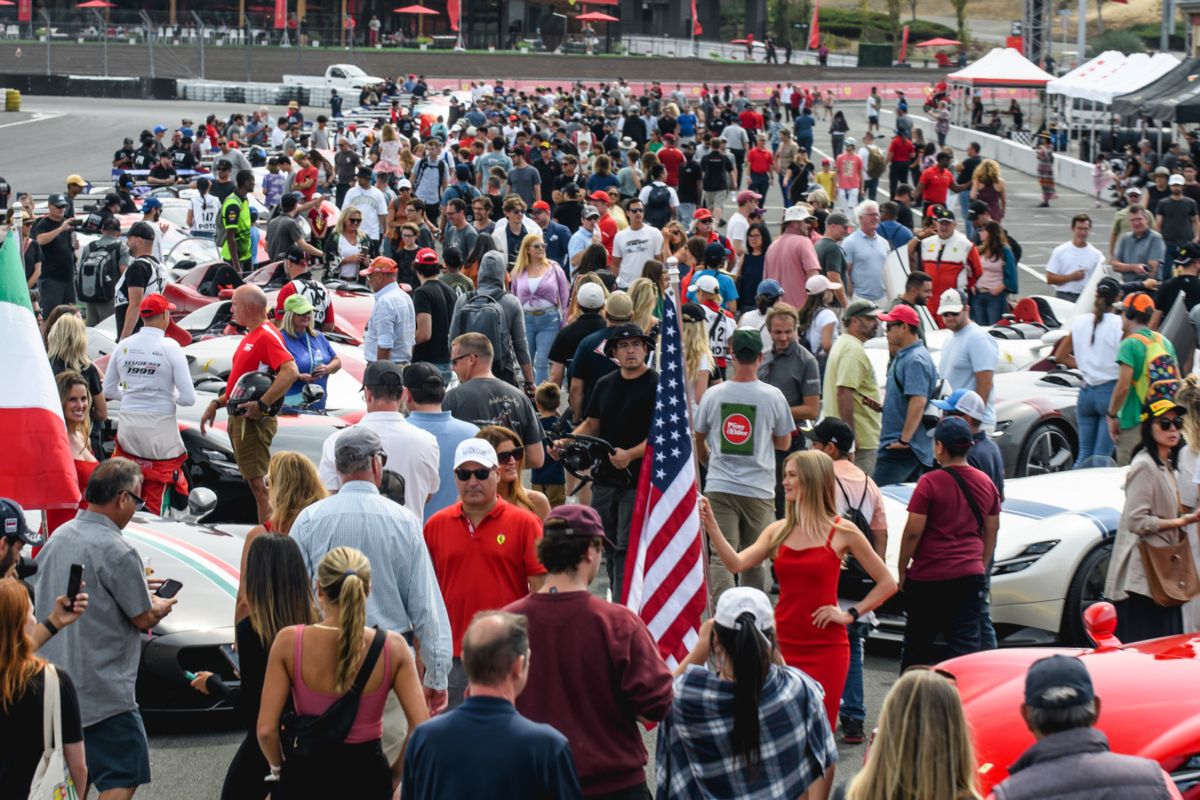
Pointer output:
x,y
516,454
138,503
457,359
479,473
1168,424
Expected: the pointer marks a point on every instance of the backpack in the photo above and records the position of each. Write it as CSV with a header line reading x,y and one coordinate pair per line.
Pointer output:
x,y
482,313
853,581
876,163
1161,370
96,279
658,205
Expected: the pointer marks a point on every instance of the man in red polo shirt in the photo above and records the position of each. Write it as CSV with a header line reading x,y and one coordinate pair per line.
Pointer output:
x,y
672,158
761,162
607,225
484,549
899,154
935,182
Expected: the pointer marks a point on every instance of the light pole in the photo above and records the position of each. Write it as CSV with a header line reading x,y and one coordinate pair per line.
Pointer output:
x,y
200,26
104,33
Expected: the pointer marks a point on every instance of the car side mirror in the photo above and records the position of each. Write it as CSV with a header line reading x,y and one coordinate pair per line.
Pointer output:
x,y
201,500
1100,622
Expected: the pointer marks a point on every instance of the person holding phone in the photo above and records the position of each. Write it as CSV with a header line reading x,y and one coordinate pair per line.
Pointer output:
x,y
103,649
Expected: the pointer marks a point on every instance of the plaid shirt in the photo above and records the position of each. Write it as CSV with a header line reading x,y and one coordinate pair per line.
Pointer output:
x,y
695,757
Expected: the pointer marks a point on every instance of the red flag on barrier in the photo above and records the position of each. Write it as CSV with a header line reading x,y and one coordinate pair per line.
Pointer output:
x,y
903,46
24,10
452,12
280,13
814,30
697,28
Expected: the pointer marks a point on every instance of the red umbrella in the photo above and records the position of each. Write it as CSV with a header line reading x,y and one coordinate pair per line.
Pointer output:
x,y
7,3
939,42
421,12
97,4
597,16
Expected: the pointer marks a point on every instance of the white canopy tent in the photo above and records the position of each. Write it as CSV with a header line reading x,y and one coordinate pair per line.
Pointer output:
x,y
1085,76
999,68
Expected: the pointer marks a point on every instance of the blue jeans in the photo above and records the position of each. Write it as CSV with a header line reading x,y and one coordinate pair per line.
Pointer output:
x,y
540,330
785,186
854,703
987,631
964,202
898,466
760,182
1091,412
988,308
870,186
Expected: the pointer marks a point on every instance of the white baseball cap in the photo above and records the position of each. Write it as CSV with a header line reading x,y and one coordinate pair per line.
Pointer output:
x,y
952,301
404,183
1175,180
796,213
708,283
478,450
819,283
591,295
741,600
964,401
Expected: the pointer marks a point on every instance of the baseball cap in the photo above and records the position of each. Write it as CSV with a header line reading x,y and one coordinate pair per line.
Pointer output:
x,y
702,213
598,197
540,205
590,295
975,208
295,254
1161,405
954,433
576,521
832,430
426,255
111,197
668,137
618,307
742,600
363,172
591,212
380,264
941,214
76,180
353,444
745,196
819,283
12,521
1186,253
708,283
141,230
1140,302
796,213
224,163
952,301
964,401
769,288
151,203
153,305
58,200
478,450
298,304
825,162
693,312
160,129
1058,682
1162,171
746,341
859,308
715,255
382,373
900,313
403,183
424,375
1175,180
1133,190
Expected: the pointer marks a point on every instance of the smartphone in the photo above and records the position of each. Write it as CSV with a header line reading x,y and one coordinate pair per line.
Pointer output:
x,y
232,657
74,582
169,589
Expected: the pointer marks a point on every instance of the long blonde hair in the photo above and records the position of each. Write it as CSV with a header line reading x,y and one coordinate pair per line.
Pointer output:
x,y
295,485
695,347
345,215
68,380
923,747
1188,396
344,576
988,172
523,258
388,134
815,507
644,295
495,435
67,342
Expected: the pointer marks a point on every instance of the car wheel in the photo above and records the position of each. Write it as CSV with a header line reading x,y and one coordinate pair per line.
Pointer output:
x,y
1087,587
1047,449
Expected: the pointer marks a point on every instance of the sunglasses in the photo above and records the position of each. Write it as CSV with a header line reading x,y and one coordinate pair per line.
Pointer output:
x,y
637,211
457,359
354,220
382,457
537,247
138,503
479,473
1168,424
516,454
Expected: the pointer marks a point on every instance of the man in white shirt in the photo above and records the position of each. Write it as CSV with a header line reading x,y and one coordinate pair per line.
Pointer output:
x,y
149,374
738,142
739,223
1072,263
370,201
412,453
635,245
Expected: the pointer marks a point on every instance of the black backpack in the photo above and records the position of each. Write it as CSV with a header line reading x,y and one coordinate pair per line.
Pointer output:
x,y
658,205
96,278
482,313
854,582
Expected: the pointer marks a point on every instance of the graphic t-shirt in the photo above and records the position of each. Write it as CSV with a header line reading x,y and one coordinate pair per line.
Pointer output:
x,y
739,420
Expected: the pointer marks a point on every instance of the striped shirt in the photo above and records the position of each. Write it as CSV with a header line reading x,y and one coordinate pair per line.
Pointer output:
x,y
404,589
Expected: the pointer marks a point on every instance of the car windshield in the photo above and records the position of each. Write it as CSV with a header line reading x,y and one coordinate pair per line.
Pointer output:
x,y
353,71
200,251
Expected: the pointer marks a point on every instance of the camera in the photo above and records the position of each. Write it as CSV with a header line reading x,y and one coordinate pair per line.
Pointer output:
x,y
26,568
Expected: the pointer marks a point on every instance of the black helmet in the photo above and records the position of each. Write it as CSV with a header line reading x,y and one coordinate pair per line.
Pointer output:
x,y
250,387
257,157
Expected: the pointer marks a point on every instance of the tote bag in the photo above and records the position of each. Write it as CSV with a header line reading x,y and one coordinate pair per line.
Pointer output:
x,y
51,780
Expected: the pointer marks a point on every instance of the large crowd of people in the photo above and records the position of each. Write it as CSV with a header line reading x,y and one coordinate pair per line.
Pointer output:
x,y
440,589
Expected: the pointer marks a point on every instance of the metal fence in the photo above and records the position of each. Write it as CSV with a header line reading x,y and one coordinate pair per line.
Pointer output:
x,y
706,48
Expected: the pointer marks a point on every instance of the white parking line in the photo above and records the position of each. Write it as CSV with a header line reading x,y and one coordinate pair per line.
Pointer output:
x,y
1031,271
38,116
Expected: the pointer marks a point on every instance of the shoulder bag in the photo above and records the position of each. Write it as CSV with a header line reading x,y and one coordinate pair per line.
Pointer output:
x,y
307,735
52,780
1170,570
966,490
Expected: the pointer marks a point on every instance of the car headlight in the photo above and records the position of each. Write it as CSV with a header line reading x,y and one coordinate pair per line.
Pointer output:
x,y
1025,559
1187,775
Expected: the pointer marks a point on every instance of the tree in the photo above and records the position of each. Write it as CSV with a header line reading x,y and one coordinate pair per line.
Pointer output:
x,y
960,14
1100,15
913,5
783,22
894,15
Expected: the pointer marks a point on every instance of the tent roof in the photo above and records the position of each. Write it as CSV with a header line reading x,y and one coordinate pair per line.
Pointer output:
x,y
1002,67
1087,74
1174,97
1114,77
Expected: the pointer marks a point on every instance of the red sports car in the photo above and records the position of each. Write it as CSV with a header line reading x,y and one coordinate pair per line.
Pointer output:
x,y
1150,693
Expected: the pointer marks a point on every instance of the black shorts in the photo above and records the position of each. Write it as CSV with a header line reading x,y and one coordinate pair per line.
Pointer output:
x,y
118,755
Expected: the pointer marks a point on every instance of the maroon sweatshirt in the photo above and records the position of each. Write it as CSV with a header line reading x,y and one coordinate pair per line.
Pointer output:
x,y
594,669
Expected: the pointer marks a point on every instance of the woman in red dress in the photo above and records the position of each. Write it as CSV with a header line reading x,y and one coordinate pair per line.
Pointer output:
x,y
808,547
76,399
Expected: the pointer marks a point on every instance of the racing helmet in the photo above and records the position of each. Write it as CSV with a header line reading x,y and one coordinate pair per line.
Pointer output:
x,y
250,387
257,156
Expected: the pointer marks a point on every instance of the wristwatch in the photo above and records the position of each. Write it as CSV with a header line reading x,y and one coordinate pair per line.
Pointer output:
x,y
906,444
263,407
852,611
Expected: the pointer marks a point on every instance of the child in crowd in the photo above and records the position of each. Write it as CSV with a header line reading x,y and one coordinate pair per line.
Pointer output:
x,y
827,178
549,479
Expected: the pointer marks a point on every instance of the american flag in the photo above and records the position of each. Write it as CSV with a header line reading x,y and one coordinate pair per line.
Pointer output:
x,y
664,578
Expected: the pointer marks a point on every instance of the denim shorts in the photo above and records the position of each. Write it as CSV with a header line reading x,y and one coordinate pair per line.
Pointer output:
x,y
118,755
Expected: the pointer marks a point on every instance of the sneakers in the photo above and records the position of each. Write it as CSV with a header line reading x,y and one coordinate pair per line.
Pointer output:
x,y
852,731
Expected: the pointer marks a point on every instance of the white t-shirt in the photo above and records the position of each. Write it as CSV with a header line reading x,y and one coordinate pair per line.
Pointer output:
x,y
814,333
737,228
1068,258
635,248
371,203
872,106
205,209
1097,355
739,420
756,319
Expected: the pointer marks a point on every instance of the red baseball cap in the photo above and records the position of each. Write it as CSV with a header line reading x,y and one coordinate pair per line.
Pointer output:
x,y
670,137
541,205
599,197
702,213
154,304
380,264
901,313
425,256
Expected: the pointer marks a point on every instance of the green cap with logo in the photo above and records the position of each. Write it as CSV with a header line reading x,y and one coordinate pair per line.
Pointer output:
x,y
746,342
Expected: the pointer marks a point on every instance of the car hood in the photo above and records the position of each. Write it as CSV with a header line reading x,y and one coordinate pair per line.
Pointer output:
x,y
1143,710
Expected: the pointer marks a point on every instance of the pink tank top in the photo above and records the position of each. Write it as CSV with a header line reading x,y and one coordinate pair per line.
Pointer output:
x,y
368,724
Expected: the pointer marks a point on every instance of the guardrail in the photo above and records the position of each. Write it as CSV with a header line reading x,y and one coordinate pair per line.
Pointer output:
x,y
638,45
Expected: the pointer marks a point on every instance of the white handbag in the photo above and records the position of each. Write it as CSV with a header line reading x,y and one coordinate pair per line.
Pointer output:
x,y
52,780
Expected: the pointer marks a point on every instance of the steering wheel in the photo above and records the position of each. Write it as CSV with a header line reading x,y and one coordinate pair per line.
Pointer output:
x,y
583,454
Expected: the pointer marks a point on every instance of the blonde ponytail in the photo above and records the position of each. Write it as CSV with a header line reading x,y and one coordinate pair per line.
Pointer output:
x,y
345,577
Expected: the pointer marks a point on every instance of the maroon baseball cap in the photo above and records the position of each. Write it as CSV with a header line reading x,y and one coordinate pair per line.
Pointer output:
x,y
576,520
